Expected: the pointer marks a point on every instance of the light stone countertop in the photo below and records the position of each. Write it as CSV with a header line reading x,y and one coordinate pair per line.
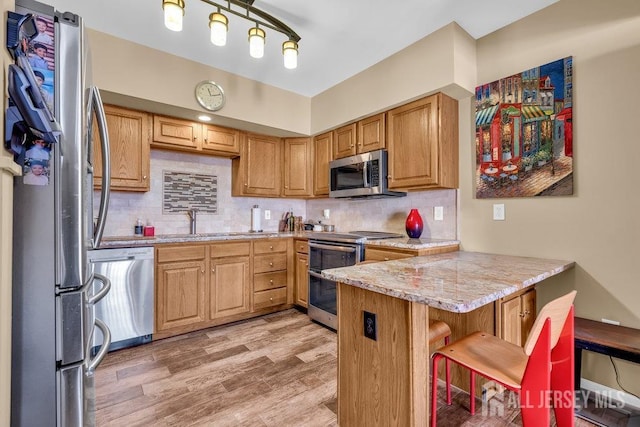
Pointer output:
x,y
407,243
134,241
456,281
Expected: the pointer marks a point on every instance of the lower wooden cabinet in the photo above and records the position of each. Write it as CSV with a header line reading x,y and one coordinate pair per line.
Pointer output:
x,y
301,294
230,279
180,287
207,284
515,315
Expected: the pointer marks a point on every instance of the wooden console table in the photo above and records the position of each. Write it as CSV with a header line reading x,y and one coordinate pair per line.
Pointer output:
x,y
617,341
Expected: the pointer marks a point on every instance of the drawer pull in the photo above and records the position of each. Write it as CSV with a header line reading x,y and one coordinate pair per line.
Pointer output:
x,y
386,259
271,281
271,247
271,299
270,264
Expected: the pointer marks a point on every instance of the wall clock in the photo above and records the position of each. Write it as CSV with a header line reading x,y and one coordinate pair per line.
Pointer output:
x,y
210,95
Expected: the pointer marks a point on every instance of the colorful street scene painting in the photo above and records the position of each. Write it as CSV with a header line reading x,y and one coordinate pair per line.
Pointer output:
x,y
524,133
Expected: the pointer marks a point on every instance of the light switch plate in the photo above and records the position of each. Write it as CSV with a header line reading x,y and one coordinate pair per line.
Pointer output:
x,y
438,213
267,214
498,212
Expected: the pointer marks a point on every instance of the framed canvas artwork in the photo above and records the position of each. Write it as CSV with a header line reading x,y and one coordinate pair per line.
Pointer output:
x,y
524,133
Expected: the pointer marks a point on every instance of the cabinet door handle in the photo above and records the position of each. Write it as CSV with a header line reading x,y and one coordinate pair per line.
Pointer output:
x,y
202,271
386,259
213,270
144,177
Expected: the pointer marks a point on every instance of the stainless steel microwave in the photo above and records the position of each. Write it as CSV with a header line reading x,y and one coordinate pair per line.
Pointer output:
x,y
360,176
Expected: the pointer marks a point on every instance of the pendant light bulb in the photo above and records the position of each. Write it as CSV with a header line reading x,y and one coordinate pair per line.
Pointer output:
x,y
290,54
218,23
173,13
256,42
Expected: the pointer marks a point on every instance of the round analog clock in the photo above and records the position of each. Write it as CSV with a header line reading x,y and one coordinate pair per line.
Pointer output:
x,y
210,95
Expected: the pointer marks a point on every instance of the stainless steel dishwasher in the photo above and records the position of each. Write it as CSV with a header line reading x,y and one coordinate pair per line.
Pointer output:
x,y
128,307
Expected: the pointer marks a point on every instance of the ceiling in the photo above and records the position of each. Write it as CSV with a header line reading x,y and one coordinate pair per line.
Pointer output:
x,y
339,38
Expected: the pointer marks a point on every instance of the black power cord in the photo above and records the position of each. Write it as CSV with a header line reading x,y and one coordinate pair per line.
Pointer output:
x,y
615,368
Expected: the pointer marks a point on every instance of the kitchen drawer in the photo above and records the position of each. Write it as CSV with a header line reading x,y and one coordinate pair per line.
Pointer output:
x,y
264,299
271,262
219,250
301,246
269,246
179,253
264,281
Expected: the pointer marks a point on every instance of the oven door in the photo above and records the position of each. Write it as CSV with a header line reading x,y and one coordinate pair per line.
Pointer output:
x,y
322,293
323,256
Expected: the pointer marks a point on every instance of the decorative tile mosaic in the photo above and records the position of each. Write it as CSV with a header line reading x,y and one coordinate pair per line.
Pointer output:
x,y
184,191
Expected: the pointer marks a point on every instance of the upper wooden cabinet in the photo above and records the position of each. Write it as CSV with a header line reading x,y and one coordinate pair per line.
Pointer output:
x,y
185,135
257,172
169,132
323,154
129,134
220,140
361,137
422,139
344,141
297,167
371,133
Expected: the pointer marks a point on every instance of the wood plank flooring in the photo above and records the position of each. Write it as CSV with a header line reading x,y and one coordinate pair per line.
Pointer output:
x,y
276,370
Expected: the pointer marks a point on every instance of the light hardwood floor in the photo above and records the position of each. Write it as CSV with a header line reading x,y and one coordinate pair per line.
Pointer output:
x,y
277,370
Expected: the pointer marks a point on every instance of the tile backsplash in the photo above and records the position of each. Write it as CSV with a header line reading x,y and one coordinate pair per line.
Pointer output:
x,y
234,213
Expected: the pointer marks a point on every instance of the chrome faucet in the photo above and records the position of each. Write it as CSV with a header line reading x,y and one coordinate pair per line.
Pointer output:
x,y
192,220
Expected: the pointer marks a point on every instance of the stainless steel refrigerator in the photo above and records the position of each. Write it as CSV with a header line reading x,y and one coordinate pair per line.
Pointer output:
x,y
53,285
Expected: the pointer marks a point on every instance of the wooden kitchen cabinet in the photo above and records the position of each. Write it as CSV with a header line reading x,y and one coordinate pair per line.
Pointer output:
x,y
298,162
372,133
220,141
180,287
272,259
363,136
129,135
185,135
301,294
345,141
422,141
257,172
516,315
230,279
176,134
323,154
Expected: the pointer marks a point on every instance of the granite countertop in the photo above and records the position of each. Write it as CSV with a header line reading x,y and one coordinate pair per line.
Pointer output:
x,y
456,281
133,241
406,243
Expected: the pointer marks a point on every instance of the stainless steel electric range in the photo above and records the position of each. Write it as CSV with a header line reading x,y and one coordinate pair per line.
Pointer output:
x,y
333,250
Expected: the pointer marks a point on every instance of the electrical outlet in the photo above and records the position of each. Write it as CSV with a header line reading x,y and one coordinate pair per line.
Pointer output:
x,y
438,213
370,326
267,214
498,212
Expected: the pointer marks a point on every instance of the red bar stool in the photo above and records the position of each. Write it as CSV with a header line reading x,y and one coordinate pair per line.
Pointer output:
x,y
543,369
439,330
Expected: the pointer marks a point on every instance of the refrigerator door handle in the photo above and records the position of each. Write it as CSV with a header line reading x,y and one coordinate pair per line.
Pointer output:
x,y
92,364
97,105
104,290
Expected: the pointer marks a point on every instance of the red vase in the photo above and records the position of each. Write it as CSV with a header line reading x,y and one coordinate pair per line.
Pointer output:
x,y
413,225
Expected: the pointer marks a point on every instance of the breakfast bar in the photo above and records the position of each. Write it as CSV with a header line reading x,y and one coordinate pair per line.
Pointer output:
x,y
383,377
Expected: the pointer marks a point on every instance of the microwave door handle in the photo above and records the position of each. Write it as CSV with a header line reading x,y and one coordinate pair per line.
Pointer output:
x,y
96,103
365,173
92,364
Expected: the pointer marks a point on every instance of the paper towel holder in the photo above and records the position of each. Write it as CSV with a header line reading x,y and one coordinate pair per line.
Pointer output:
x,y
255,219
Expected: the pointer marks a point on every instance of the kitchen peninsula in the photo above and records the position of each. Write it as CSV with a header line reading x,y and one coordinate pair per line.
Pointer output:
x,y
384,382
